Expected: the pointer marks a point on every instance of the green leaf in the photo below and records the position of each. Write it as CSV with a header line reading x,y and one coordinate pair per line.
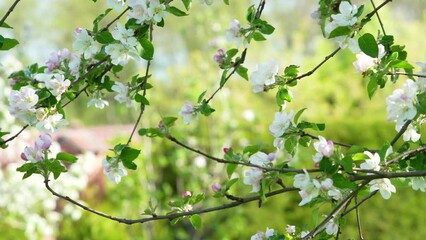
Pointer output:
x,y
372,87
5,25
242,71
251,149
359,157
176,11
298,114
187,4
56,168
341,182
340,31
7,43
355,149
327,166
267,29
148,49
367,44
201,97
401,64
231,182
98,19
129,154
282,96
360,11
231,52
168,121
226,2
205,109
230,168
67,157
257,36
305,141
151,132
141,99
347,164
26,167
387,40
251,14
104,37
223,78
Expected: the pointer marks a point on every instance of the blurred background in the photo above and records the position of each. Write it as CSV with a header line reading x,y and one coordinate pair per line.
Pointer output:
x,y
182,69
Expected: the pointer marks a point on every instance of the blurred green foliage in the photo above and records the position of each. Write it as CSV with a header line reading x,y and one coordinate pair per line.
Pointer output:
x,y
182,69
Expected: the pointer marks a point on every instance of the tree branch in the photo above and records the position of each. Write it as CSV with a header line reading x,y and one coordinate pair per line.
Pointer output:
x,y
9,12
167,216
401,131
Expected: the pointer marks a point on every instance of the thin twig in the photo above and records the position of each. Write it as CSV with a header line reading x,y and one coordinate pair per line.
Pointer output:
x,y
248,164
406,74
142,109
358,219
336,210
359,203
167,216
378,18
114,20
14,136
401,131
420,173
9,12
407,154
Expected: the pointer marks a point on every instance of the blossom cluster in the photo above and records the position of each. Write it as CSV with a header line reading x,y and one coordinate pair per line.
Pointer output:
x,y
114,169
37,152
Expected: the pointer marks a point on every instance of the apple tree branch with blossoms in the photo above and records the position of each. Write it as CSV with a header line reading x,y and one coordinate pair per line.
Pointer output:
x,y
341,172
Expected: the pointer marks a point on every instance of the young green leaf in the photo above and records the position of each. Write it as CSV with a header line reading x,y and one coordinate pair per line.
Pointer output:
x,y
67,157
367,44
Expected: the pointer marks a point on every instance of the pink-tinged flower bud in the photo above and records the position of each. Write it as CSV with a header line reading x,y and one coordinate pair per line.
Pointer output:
x,y
216,187
24,157
226,149
13,82
272,156
187,194
219,57
78,30
44,141
161,124
317,164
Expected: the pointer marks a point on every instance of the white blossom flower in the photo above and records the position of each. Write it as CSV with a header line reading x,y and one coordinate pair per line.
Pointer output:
x,y
418,183
269,232
304,234
258,236
233,33
85,44
188,113
372,163
281,122
400,105
74,66
57,85
324,148
279,143
98,103
156,10
122,94
335,193
253,177
32,154
348,42
138,11
302,180
331,228
51,123
43,142
56,58
121,54
264,75
290,229
384,185
410,133
260,159
114,170
216,187
125,36
117,5
346,17
365,62
308,193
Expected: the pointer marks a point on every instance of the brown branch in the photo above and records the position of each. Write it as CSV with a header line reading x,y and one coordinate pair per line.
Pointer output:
x,y
407,154
114,20
248,164
406,74
378,17
358,220
401,131
419,173
15,135
9,12
336,210
359,203
167,216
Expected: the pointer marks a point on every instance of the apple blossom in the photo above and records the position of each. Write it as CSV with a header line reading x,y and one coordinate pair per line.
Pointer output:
x,y
220,56
418,183
264,75
85,44
331,228
335,193
216,187
302,180
121,54
32,154
57,85
234,34
348,42
308,193
114,169
122,94
347,15
260,159
187,208
290,229
253,177
125,36
138,11
23,99
384,185
372,163
51,122
98,101
365,62
281,122
188,113
56,58
43,142
156,10
187,194
324,148
117,5
400,105
410,133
